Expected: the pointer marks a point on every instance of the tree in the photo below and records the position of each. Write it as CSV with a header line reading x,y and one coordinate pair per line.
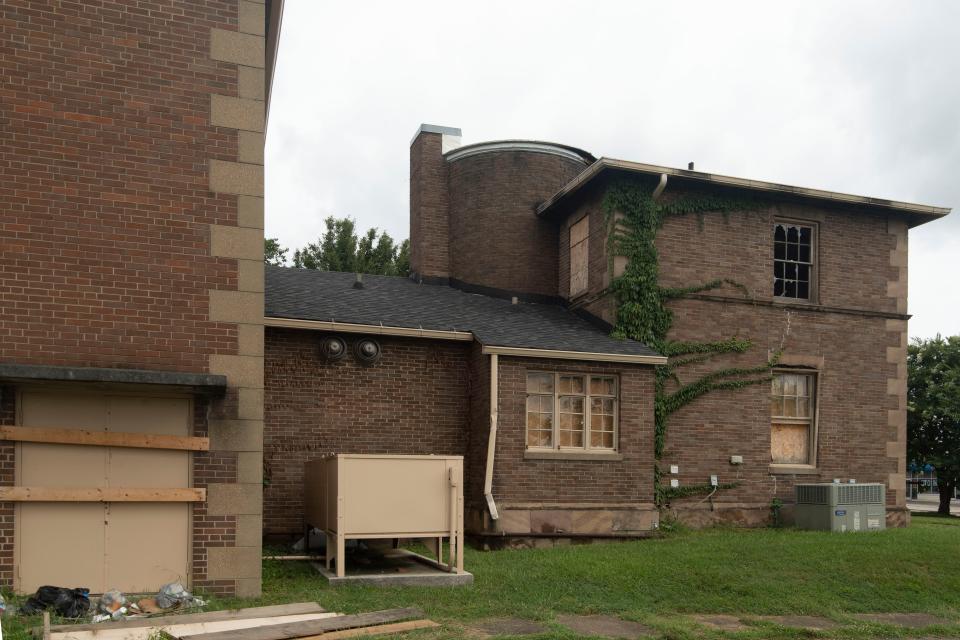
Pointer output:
x,y
273,253
340,249
933,410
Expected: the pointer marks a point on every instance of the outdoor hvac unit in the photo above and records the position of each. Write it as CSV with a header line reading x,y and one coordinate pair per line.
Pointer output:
x,y
841,507
386,496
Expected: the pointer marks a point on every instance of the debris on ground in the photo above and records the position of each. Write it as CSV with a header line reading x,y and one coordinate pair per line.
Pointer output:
x,y
174,595
112,605
69,603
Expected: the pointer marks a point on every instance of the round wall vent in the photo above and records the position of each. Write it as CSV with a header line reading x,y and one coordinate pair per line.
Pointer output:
x,y
367,350
333,348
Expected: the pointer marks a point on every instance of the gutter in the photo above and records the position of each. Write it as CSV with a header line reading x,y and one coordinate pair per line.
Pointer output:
x,y
492,438
369,329
524,352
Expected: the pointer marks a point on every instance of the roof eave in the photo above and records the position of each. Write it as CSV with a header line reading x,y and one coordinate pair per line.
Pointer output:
x,y
437,334
920,212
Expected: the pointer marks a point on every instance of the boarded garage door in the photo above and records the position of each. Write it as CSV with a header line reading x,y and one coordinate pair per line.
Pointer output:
x,y
134,547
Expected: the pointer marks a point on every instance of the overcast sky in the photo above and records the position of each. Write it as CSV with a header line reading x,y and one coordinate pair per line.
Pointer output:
x,y
860,97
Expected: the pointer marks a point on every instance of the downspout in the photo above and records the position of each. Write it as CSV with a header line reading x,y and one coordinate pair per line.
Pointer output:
x,y
491,440
660,187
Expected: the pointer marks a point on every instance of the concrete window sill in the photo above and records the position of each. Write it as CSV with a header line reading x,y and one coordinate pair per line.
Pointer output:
x,y
605,456
791,469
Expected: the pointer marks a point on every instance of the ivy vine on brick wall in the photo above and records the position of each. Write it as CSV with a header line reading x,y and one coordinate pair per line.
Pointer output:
x,y
634,218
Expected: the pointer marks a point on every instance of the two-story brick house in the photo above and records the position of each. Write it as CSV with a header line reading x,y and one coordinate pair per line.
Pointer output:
x,y
498,348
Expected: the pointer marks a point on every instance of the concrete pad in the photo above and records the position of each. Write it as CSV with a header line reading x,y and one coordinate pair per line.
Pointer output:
x,y
814,623
508,627
721,622
606,626
909,620
394,568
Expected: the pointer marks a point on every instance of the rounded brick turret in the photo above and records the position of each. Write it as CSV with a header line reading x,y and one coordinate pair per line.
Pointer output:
x,y
496,239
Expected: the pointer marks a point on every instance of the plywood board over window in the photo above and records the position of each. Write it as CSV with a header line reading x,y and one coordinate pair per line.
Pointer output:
x,y
579,255
131,546
792,418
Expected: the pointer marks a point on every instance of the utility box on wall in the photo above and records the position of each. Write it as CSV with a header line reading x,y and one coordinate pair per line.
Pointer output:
x,y
841,507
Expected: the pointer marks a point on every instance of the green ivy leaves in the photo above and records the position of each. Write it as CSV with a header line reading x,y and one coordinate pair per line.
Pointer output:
x,y
634,218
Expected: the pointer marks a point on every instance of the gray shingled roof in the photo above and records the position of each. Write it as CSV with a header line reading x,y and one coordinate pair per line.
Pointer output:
x,y
393,301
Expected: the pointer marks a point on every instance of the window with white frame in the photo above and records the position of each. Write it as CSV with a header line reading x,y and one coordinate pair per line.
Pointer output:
x,y
571,411
792,418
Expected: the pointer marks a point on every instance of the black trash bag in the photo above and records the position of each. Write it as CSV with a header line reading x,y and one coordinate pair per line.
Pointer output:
x,y
69,603
73,603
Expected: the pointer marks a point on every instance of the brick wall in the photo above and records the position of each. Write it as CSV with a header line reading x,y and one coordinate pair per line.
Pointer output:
x,y
854,337
7,472
496,239
209,530
626,480
131,233
429,207
582,497
430,396
104,232
414,401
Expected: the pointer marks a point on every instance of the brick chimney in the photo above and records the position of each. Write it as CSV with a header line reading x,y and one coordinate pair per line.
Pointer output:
x,y
430,202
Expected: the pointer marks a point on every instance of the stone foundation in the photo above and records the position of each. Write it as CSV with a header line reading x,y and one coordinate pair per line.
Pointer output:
x,y
539,521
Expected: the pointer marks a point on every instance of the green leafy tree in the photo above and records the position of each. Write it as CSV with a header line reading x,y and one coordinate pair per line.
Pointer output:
x,y
933,410
341,249
403,258
273,253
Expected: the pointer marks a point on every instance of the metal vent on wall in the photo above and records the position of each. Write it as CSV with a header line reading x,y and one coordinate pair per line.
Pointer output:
x,y
859,494
813,494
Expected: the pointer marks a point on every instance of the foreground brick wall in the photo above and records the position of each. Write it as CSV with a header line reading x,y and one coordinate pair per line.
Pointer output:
x,y
414,401
105,227
854,336
131,232
7,471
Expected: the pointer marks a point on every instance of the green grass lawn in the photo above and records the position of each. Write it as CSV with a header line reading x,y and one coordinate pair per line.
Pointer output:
x,y
658,582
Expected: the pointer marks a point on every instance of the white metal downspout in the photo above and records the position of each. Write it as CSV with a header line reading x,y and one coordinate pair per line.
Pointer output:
x,y
492,439
660,187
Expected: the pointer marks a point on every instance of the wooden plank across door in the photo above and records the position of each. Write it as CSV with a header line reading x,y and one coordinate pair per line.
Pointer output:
x,y
101,494
104,438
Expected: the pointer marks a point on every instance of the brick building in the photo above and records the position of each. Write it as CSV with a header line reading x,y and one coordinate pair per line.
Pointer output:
x,y
512,294
160,392
131,290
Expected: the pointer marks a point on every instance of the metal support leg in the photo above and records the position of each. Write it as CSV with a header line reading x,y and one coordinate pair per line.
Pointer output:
x,y
341,555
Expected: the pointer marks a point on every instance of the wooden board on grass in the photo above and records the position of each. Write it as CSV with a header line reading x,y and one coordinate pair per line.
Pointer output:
x,y
206,616
161,630
313,628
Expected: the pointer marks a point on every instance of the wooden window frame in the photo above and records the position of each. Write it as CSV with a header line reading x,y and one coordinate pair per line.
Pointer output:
x,y
587,396
813,295
586,267
814,423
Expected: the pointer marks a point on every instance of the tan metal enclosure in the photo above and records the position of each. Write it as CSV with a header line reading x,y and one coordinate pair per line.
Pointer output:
x,y
386,496
67,539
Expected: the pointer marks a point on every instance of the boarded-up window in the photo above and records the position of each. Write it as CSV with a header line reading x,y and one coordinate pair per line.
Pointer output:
x,y
571,411
579,255
792,418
